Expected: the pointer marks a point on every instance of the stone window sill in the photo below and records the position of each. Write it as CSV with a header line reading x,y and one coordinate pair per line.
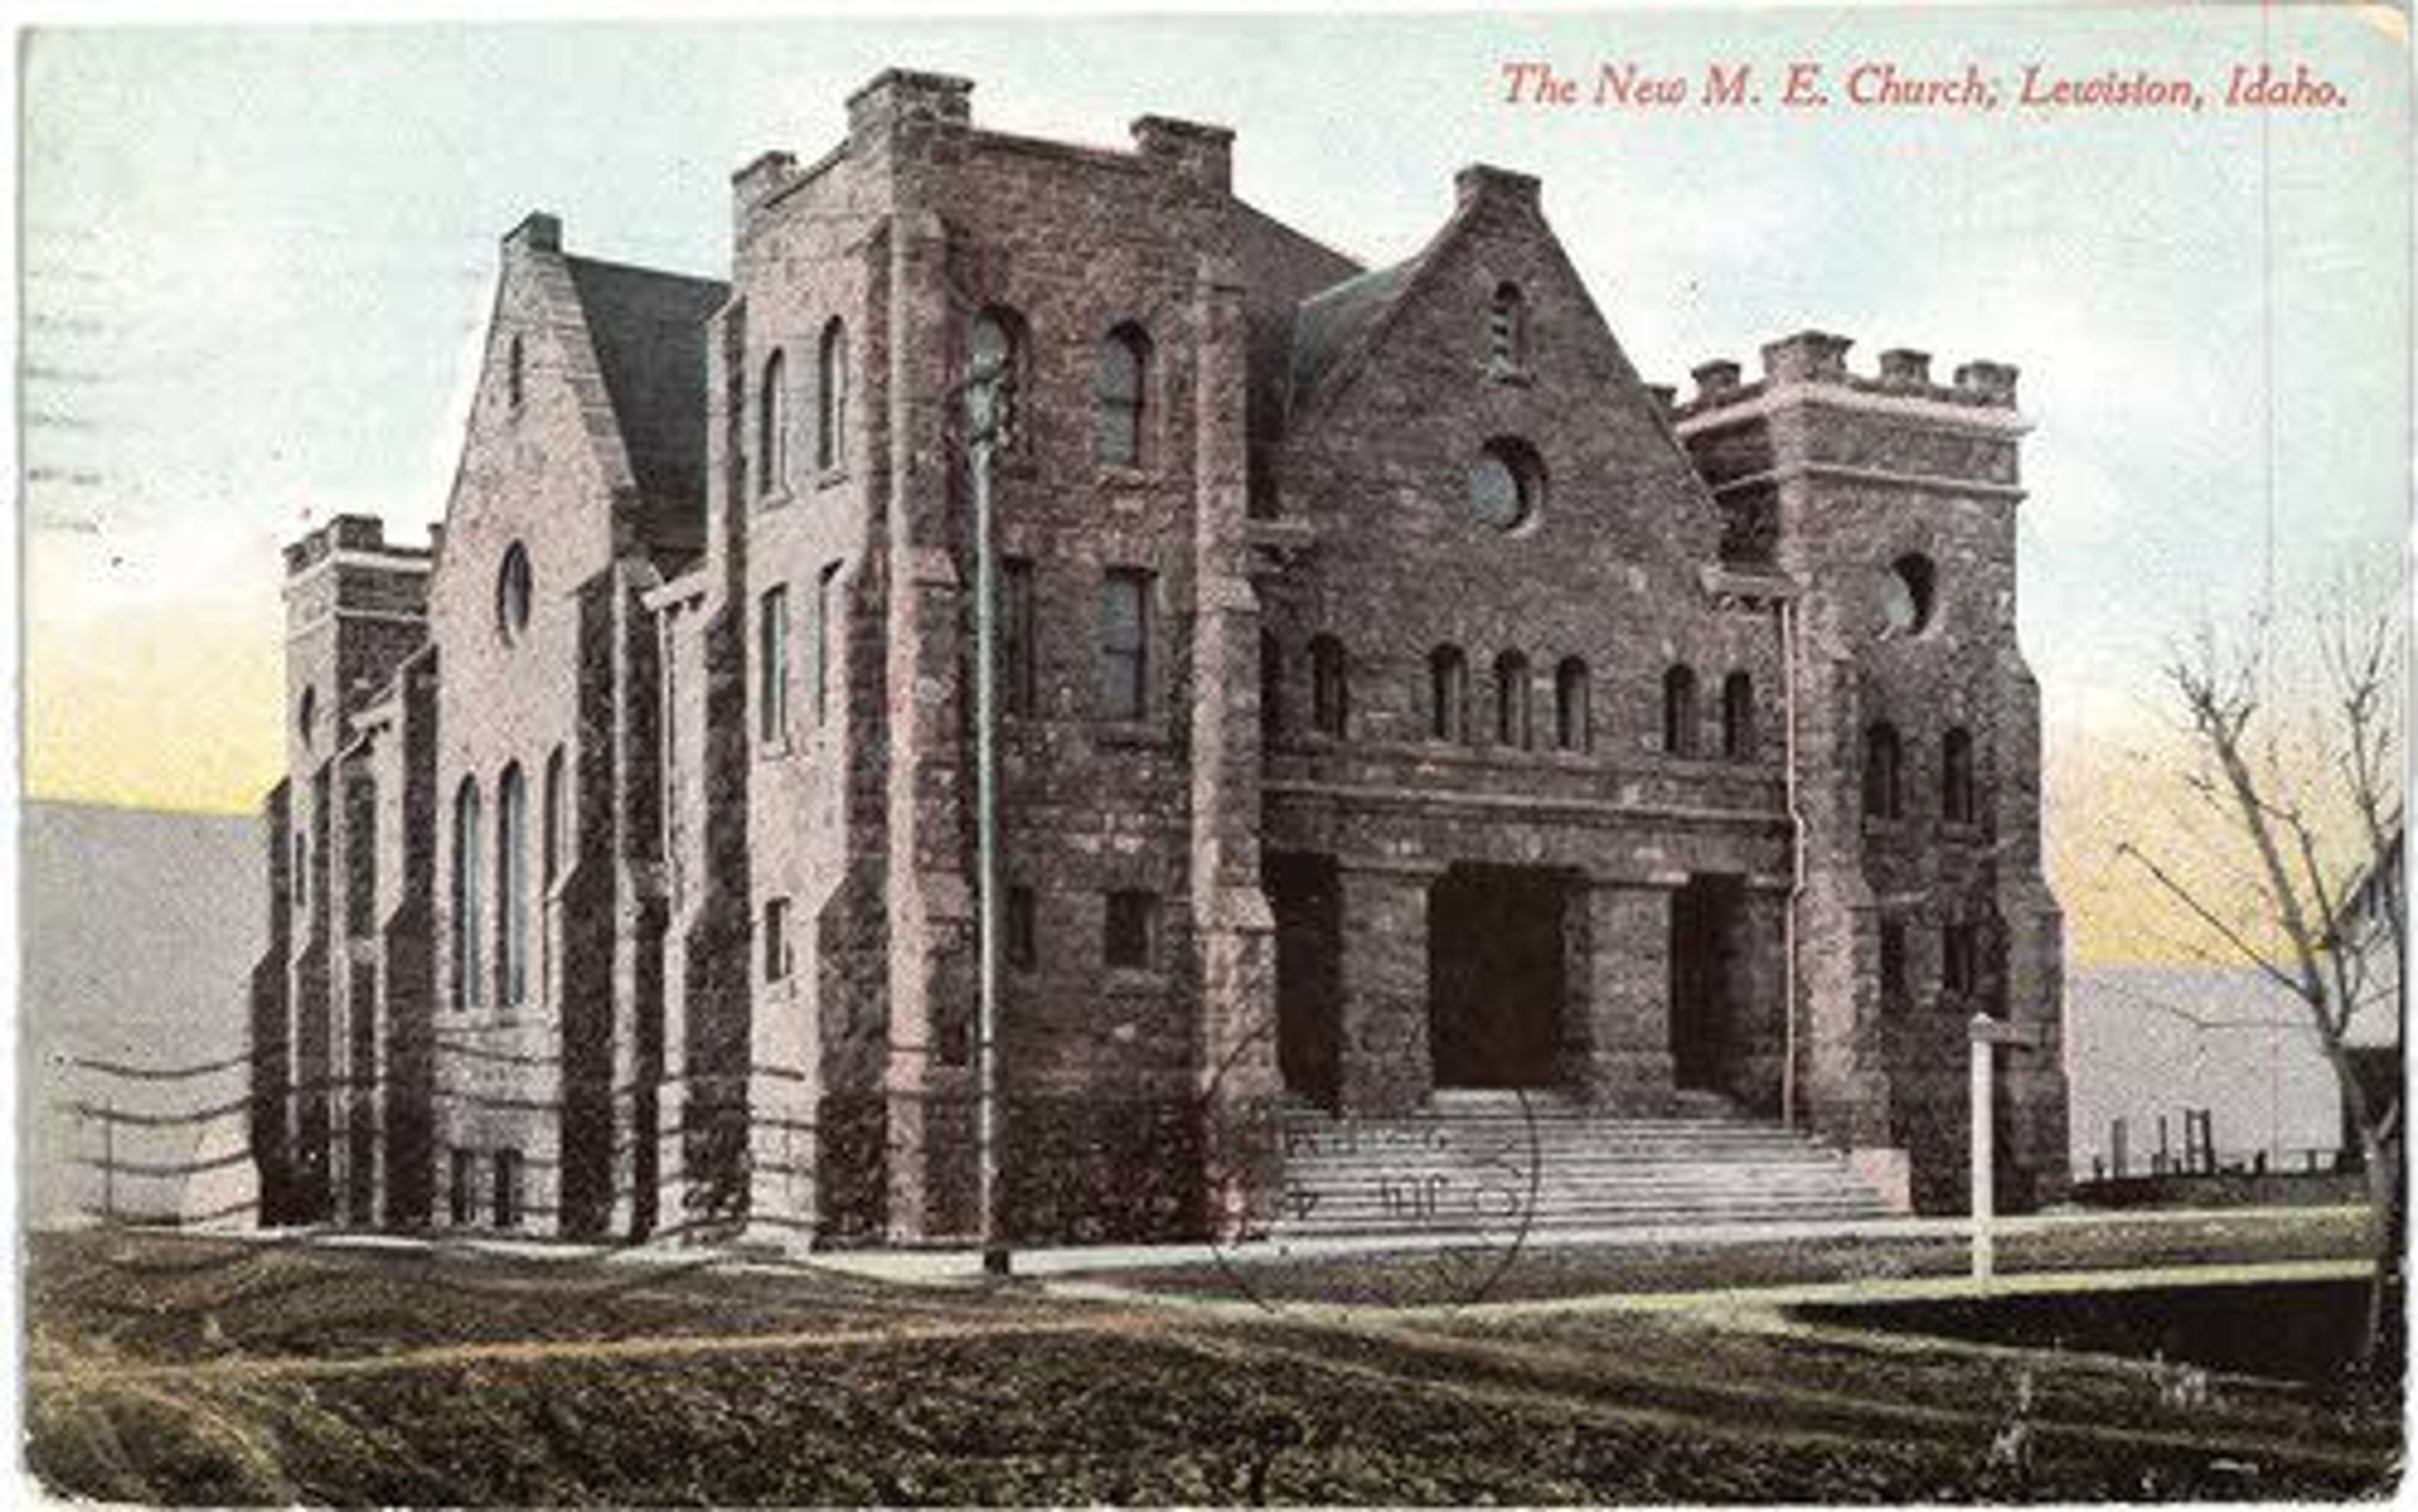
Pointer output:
x,y
773,498
1125,475
1965,829
1135,981
830,477
777,750
1128,734
1511,377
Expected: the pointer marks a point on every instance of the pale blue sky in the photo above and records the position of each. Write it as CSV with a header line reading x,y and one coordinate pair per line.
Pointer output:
x,y
257,263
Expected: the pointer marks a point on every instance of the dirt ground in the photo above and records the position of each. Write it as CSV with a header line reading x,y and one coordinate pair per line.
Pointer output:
x,y
189,1370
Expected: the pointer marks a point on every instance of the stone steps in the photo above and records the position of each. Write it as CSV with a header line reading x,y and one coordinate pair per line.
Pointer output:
x,y
1495,1164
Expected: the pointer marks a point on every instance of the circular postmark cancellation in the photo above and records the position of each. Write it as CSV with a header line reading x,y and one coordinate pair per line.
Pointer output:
x,y
1320,1202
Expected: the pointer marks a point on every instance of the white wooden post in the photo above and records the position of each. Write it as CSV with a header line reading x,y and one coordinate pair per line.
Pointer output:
x,y
1985,1161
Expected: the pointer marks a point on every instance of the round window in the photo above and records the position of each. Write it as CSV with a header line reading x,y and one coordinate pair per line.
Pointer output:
x,y
1906,595
1504,485
512,593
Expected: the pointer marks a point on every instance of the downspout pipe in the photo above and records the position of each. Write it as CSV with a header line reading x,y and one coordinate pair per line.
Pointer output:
x,y
1786,622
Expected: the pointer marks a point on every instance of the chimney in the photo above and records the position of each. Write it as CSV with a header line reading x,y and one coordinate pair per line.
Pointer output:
x,y
1904,369
1993,383
1480,182
1807,356
1204,154
538,232
895,97
1714,379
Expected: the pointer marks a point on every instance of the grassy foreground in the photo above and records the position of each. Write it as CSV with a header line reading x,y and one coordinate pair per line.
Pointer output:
x,y
166,1370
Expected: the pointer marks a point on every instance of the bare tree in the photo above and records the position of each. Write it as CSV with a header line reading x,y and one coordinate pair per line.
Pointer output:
x,y
2297,760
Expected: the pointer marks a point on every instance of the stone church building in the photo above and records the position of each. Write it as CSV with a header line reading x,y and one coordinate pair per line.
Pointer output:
x,y
1400,698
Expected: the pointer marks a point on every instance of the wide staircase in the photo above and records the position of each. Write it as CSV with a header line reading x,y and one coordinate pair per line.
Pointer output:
x,y
1491,1163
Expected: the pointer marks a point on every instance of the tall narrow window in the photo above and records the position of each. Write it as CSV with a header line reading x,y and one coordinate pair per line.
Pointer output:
x,y
1506,331
1018,674
512,887
777,961
1448,694
1020,933
1956,776
826,601
515,374
1572,724
1897,991
463,1197
1132,935
302,874
556,829
831,397
1272,689
1330,688
469,957
1680,711
773,667
1884,798
773,428
508,1188
1512,700
1959,958
512,593
1738,717
1124,644
1124,384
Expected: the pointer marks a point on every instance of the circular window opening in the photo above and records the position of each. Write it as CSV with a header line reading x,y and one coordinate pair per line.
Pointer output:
x,y
512,593
1506,484
306,718
1906,595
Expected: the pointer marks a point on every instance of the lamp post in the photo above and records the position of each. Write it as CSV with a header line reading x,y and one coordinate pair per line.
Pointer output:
x,y
989,405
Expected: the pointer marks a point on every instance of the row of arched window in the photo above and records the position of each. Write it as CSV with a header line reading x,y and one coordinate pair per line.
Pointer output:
x,y
830,410
1885,763
505,981
995,342
1514,717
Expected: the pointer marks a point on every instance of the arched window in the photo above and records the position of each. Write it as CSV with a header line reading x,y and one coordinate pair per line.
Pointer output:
x,y
994,351
1270,688
1907,595
1738,717
831,397
469,957
1448,694
512,593
1506,331
1571,720
1511,726
1956,776
557,826
773,428
1330,688
1680,711
515,374
512,887
1123,386
1884,798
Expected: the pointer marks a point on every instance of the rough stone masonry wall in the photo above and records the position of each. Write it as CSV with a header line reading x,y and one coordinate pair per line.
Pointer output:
x,y
1609,570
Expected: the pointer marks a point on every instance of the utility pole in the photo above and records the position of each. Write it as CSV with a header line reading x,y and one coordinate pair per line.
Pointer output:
x,y
988,402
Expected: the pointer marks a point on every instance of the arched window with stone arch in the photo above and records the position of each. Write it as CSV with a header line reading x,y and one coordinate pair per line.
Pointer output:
x,y
1738,717
1884,763
1512,722
1449,693
1956,800
1680,711
469,956
511,888
831,397
773,426
1122,397
1330,688
1572,730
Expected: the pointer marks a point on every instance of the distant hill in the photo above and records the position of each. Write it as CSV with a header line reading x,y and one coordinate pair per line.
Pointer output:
x,y
139,931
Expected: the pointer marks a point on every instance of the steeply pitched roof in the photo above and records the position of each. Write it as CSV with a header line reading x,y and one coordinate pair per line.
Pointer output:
x,y
1331,323
648,330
